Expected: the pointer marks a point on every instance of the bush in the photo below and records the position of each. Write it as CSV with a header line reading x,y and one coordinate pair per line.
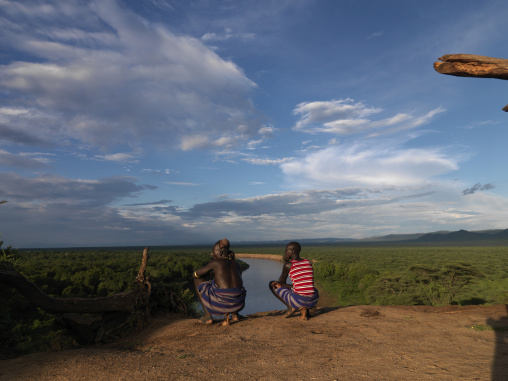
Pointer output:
x,y
440,286
88,273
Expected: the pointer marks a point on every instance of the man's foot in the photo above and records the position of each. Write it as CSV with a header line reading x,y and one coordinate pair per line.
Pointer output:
x,y
205,320
226,320
235,317
305,313
289,312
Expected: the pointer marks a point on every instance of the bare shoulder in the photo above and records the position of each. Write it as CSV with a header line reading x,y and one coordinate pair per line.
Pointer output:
x,y
220,262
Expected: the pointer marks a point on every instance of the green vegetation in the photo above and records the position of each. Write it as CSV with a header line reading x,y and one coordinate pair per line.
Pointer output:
x,y
483,327
354,274
397,275
88,273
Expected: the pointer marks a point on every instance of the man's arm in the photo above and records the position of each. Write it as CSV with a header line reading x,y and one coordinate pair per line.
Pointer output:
x,y
284,276
205,270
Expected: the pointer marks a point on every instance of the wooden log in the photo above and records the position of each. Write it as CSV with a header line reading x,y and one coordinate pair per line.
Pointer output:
x,y
470,65
123,302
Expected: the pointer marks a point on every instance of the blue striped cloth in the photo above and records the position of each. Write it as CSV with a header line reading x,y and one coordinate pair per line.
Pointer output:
x,y
220,301
296,300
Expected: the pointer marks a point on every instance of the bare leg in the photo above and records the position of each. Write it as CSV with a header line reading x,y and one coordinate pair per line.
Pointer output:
x,y
207,317
290,312
305,313
226,321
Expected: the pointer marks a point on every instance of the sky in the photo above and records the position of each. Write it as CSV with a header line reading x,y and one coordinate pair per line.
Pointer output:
x,y
165,122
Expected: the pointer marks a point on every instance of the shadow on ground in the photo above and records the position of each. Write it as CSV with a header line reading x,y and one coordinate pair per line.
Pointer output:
x,y
500,364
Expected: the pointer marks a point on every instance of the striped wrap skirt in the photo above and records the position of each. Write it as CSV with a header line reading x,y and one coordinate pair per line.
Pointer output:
x,y
296,300
220,301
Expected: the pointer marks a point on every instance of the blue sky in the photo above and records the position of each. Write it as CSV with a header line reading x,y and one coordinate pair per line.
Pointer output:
x,y
158,122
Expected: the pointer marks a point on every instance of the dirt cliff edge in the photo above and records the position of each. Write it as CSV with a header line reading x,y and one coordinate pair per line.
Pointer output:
x,y
341,343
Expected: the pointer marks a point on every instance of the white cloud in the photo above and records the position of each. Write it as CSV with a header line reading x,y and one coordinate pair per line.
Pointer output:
x,y
348,212
10,111
162,4
24,160
120,157
265,132
368,165
375,35
227,34
56,189
400,122
116,78
191,142
345,117
321,112
181,183
259,161
81,213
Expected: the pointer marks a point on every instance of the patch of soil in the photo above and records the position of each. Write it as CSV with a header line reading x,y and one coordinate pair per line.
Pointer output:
x,y
340,343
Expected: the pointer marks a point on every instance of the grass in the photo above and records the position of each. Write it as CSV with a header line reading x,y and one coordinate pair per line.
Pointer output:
x,y
481,327
484,327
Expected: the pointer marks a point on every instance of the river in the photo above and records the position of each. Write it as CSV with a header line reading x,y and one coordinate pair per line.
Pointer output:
x,y
255,280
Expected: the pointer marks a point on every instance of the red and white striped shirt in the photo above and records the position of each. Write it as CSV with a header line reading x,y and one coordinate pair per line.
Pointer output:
x,y
302,277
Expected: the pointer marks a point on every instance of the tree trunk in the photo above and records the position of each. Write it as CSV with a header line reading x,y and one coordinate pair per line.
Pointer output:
x,y
470,65
123,302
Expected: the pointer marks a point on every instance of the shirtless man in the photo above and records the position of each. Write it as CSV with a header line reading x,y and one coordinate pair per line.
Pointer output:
x,y
224,294
301,295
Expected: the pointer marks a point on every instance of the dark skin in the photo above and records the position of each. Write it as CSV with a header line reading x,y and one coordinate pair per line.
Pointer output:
x,y
292,252
227,274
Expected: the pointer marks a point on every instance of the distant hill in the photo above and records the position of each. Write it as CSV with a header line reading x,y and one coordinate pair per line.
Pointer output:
x,y
496,237
396,237
493,236
303,241
464,236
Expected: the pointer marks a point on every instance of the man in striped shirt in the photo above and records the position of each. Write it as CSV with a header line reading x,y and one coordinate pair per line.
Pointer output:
x,y
301,295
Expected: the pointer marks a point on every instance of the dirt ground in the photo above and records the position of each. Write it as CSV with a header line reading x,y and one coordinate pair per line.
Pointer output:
x,y
340,343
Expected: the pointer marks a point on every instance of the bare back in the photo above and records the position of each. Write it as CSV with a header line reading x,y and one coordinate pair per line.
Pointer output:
x,y
227,273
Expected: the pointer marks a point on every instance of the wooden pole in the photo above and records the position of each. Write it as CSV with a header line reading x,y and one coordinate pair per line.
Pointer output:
x,y
470,65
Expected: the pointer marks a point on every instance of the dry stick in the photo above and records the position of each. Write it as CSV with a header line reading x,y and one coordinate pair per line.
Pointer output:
x,y
470,65
142,280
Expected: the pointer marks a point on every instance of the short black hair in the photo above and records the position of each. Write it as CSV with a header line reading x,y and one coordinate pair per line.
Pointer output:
x,y
296,244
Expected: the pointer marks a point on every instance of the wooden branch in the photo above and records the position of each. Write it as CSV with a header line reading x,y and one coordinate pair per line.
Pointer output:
x,y
144,284
470,65
142,280
123,302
